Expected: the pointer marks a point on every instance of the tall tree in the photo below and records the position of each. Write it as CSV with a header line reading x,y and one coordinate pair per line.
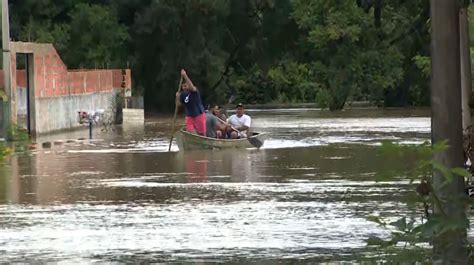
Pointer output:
x,y
257,50
100,47
67,24
169,35
348,52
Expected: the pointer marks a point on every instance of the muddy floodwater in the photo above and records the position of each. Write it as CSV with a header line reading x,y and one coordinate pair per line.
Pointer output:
x,y
122,197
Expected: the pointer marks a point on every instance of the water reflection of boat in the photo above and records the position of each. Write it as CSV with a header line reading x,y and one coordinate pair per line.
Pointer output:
x,y
196,167
190,141
234,165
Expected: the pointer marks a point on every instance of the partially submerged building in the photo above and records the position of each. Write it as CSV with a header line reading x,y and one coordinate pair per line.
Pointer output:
x,y
46,96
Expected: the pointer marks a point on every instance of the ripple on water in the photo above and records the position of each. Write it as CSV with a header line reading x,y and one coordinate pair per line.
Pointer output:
x,y
308,209
200,229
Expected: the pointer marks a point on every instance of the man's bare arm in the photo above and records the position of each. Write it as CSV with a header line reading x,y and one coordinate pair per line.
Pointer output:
x,y
242,128
188,81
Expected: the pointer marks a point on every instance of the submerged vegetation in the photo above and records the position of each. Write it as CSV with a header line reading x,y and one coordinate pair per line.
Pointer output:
x,y
19,142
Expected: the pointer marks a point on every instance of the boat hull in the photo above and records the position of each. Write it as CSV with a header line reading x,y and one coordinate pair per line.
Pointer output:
x,y
190,141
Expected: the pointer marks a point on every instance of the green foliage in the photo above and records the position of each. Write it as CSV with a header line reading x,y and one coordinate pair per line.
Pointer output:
x,y
408,30
349,54
170,35
17,133
415,235
424,64
4,152
89,48
253,87
87,34
291,77
322,99
257,51
19,138
416,160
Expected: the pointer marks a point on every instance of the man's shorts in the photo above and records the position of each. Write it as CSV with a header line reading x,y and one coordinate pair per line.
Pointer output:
x,y
196,124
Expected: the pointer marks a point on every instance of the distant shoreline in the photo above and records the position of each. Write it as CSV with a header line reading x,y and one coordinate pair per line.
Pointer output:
x,y
356,105
347,106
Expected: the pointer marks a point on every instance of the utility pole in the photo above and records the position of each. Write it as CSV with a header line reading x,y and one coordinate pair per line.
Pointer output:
x,y
449,247
6,69
466,76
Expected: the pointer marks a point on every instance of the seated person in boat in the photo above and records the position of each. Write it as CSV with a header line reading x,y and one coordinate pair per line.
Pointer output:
x,y
218,112
221,129
239,123
191,99
214,128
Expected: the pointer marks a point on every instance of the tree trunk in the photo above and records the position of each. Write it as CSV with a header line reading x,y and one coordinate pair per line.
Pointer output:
x,y
449,247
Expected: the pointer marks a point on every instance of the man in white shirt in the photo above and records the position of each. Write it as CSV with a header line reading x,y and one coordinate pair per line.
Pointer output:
x,y
239,123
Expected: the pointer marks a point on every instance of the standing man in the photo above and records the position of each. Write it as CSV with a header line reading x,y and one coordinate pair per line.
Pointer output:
x,y
239,123
191,99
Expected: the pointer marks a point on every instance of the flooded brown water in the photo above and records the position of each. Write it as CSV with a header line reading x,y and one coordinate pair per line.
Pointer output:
x,y
122,197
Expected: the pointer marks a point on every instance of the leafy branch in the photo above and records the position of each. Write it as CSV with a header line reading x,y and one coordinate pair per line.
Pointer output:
x,y
419,234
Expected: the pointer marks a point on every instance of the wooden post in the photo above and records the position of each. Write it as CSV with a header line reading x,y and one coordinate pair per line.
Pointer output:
x,y
6,69
450,247
466,76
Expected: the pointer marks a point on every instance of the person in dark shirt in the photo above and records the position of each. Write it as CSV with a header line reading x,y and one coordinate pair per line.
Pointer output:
x,y
190,98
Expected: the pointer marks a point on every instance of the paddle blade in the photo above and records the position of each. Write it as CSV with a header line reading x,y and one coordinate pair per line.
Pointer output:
x,y
255,142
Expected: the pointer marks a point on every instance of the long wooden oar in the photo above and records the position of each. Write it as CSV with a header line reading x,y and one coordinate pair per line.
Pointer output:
x,y
253,141
175,113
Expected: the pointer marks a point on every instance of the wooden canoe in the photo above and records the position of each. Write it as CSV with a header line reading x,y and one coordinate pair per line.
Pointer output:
x,y
191,141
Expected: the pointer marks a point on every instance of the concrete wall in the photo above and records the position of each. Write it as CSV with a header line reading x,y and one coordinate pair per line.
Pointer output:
x,y
133,116
61,112
56,93
52,78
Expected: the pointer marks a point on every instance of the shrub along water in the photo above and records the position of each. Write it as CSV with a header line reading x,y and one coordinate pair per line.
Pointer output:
x,y
411,238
